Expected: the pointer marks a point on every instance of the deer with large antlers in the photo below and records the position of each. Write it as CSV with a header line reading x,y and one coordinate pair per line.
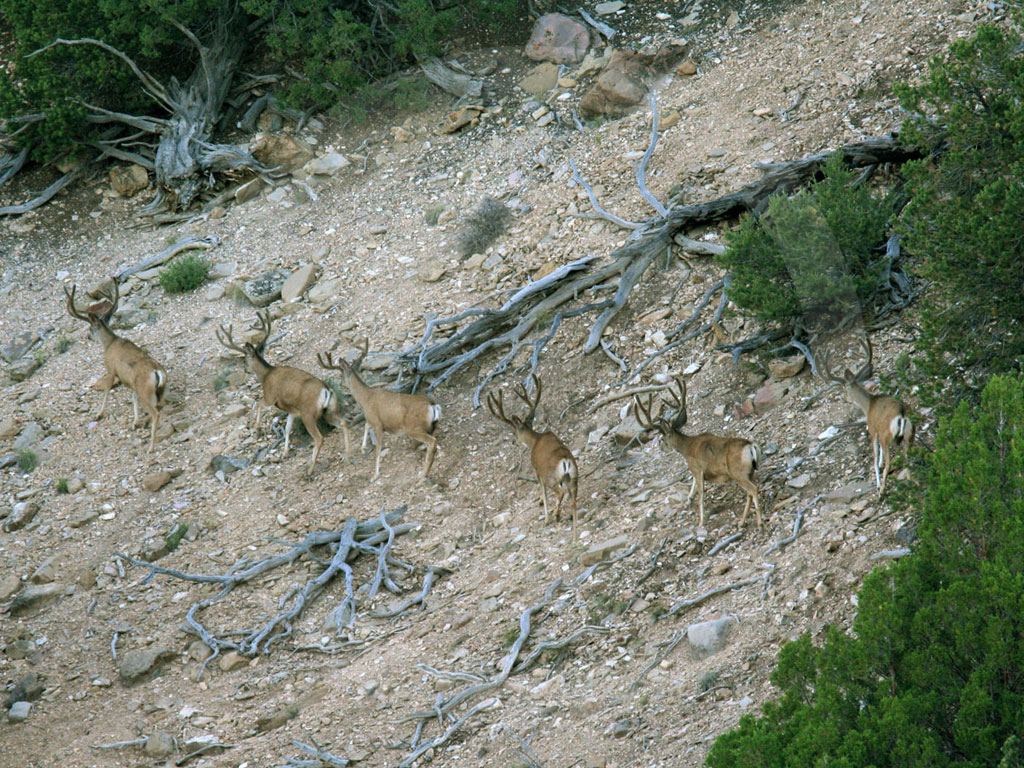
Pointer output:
x,y
888,424
553,462
414,416
710,457
289,389
126,363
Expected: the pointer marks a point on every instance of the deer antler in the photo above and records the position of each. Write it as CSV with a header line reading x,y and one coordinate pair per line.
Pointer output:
x,y
326,360
643,414
112,294
224,337
521,392
75,313
496,405
357,364
848,376
866,369
677,401
263,324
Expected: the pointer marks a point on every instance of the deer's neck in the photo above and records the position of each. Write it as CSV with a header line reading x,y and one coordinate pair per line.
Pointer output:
x,y
859,396
527,436
359,389
258,365
677,439
105,335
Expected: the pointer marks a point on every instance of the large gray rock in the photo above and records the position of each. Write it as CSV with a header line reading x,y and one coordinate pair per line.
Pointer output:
x,y
30,436
299,282
540,79
33,596
328,165
19,711
710,636
266,288
23,367
620,86
21,344
558,38
133,665
22,514
159,744
326,291
228,464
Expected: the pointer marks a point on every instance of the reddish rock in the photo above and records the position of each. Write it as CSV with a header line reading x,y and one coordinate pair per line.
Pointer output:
x,y
768,396
154,481
558,38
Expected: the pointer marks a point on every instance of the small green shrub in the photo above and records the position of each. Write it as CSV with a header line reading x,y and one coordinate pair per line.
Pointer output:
x,y
432,213
811,256
27,460
62,485
173,539
509,636
220,381
185,273
63,344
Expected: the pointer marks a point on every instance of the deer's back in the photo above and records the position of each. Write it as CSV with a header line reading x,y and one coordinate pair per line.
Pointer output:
x,y
721,457
127,361
401,412
548,450
288,388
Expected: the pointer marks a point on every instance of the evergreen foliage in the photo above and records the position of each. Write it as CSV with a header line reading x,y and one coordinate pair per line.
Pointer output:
x,y
185,273
932,675
812,258
966,214
333,50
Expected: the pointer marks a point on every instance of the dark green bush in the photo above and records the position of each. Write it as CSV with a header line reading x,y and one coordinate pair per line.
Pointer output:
x,y
966,213
333,50
185,273
932,675
811,257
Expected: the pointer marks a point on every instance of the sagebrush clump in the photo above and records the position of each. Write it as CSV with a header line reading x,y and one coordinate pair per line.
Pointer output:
x,y
482,226
185,273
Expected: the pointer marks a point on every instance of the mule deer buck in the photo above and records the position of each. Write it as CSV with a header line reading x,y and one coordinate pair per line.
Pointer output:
x,y
414,416
126,363
553,462
291,390
887,417
709,457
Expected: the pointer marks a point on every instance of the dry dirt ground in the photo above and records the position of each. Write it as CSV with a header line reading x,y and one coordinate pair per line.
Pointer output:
x,y
635,694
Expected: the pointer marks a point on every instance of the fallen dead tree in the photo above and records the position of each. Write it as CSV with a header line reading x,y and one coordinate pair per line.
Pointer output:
x,y
513,328
373,537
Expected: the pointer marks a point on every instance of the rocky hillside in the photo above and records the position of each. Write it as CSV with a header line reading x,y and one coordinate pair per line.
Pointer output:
x,y
633,645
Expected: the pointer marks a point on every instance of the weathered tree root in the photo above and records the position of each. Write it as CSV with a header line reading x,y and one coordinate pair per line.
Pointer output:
x,y
509,327
442,710
374,537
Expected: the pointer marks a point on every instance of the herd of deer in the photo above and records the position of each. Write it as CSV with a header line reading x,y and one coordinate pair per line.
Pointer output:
x,y
709,457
